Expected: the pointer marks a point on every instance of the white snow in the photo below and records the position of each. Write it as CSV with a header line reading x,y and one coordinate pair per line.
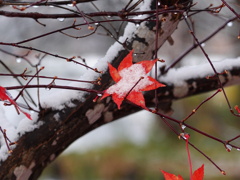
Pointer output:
x,y
180,75
130,76
13,132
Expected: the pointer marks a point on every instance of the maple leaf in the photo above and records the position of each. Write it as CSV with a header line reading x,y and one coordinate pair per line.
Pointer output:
x,y
169,176
131,79
6,97
197,175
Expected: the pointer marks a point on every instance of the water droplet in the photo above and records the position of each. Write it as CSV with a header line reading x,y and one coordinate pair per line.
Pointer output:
x,y
203,44
159,3
140,15
238,149
70,5
61,19
186,17
228,148
182,135
137,25
99,95
183,126
230,24
35,6
19,60
51,6
96,24
108,16
48,89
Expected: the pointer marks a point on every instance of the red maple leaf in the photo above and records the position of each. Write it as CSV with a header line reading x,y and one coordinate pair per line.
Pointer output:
x,y
5,96
131,79
169,176
197,175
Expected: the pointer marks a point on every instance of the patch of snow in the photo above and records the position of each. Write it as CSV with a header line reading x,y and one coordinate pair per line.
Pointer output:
x,y
27,125
10,131
13,132
145,6
130,76
180,75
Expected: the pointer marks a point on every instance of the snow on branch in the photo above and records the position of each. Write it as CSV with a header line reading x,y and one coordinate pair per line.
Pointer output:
x,y
181,77
13,132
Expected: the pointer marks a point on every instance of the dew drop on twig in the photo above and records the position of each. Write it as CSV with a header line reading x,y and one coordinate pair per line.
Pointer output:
x,y
238,149
230,24
203,44
35,6
228,148
61,19
183,126
18,60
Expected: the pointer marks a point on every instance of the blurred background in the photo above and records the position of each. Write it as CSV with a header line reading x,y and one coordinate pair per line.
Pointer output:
x,y
138,146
